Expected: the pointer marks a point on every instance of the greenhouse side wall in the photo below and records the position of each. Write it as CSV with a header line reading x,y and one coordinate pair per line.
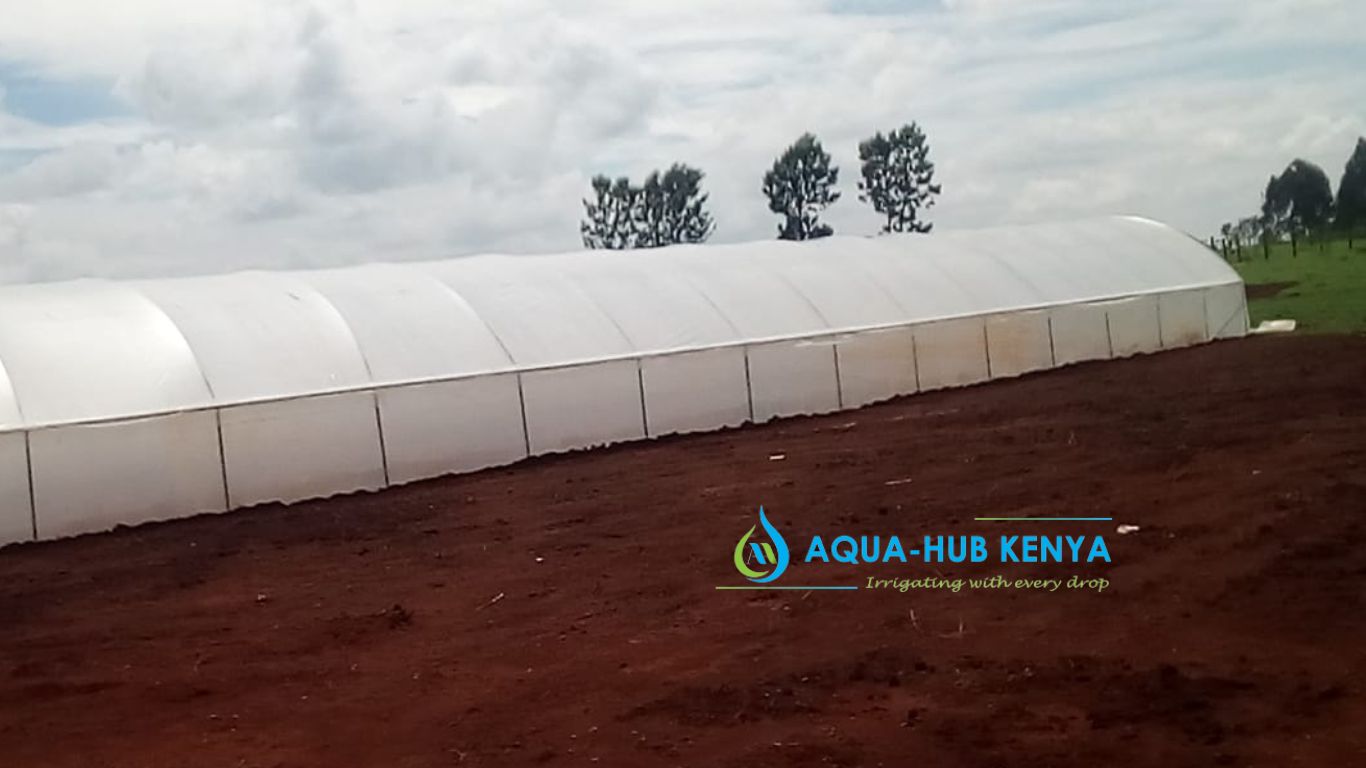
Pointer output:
x,y
16,514
673,405
91,477
452,426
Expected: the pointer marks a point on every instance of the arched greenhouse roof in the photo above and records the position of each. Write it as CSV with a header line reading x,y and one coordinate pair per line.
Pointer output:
x,y
93,350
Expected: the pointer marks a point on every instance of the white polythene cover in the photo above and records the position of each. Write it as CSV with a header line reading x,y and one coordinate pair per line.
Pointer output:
x,y
1134,326
261,335
92,477
583,406
852,301
1079,332
1018,342
1040,264
86,350
1181,317
451,426
16,518
91,350
876,365
540,316
951,353
923,288
673,401
789,378
653,306
1226,311
756,300
408,324
985,278
300,449
9,407
1151,255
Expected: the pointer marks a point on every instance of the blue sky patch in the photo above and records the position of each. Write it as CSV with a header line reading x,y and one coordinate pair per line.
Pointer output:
x,y
54,101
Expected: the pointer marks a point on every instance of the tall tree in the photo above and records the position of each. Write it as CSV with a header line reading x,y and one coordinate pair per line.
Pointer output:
x,y
668,208
1275,206
688,217
799,187
608,219
1351,205
671,208
898,178
1299,200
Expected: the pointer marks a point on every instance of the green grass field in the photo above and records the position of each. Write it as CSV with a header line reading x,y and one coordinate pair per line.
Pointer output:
x,y
1328,285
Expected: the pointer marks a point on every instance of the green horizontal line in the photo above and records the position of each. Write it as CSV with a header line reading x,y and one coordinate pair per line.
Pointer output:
x,y
790,588
998,519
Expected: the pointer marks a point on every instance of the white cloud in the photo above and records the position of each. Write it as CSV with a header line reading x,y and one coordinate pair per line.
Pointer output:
x,y
280,134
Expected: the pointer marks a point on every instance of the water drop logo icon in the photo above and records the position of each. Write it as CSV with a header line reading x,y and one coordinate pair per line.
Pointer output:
x,y
771,556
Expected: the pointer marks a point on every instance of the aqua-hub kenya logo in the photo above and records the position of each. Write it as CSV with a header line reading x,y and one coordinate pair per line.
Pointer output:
x,y
771,556
762,556
762,562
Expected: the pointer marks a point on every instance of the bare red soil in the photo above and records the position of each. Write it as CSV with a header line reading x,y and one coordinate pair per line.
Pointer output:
x,y
563,611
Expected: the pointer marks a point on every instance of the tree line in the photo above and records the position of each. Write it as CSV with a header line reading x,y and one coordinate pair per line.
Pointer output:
x,y
1299,203
671,207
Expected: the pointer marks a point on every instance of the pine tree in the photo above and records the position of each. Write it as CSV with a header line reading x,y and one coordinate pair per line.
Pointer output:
x,y
608,222
1351,203
666,209
800,185
898,178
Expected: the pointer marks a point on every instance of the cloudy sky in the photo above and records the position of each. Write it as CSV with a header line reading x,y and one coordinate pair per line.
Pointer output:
x,y
151,137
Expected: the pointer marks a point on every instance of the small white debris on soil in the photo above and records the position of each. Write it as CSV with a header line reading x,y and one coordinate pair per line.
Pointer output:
x,y
777,457
1127,529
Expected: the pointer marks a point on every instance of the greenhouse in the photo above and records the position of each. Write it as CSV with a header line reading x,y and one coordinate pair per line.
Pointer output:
x,y
128,401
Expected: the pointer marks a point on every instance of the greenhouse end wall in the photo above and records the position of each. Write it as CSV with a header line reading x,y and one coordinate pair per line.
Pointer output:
x,y
403,372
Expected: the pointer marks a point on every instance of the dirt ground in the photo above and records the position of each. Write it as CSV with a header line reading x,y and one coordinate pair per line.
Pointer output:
x,y
564,611
1268,290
